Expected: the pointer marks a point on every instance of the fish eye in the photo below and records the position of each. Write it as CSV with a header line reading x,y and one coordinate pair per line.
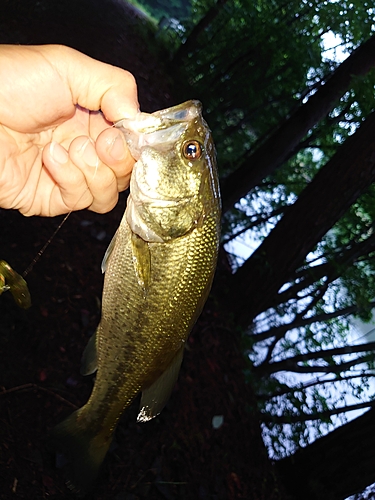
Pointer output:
x,y
192,150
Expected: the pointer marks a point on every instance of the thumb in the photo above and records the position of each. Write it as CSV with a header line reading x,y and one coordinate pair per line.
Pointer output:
x,y
96,85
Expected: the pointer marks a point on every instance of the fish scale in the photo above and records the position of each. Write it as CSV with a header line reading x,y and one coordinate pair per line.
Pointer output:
x,y
158,273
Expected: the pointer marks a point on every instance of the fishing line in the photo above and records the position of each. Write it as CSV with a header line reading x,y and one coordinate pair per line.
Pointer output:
x,y
43,249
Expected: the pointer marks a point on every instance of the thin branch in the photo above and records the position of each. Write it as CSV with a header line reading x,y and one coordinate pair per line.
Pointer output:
x,y
31,386
304,417
282,331
339,260
292,365
285,389
270,350
299,321
312,274
337,351
255,222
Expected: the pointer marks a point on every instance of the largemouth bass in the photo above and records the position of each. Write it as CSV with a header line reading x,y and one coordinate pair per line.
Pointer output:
x,y
158,273
11,280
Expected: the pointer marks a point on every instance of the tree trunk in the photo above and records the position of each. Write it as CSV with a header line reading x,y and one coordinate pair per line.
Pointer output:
x,y
333,190
276,149
335,466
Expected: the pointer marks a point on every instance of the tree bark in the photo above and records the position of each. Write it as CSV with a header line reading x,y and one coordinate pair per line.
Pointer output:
x,y
335,466
321,204
276,149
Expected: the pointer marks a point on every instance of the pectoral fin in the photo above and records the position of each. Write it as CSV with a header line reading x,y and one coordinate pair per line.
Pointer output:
x,y
108,253
141,261
89,363
156,396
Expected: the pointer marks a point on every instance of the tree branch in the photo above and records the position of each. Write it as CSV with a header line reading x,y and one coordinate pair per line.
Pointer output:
x,y
320,205
291,364
272,153
332,269
255,222
304,417
285,389
298,322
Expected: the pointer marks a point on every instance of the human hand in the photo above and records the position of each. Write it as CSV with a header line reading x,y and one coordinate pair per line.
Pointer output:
x,y
58,152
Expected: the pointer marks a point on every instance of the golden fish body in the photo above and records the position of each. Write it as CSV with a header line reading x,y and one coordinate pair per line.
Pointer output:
x,y
158,273
11,280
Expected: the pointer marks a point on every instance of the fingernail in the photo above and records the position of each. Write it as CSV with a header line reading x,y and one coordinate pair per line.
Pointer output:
x,y
58,153
88,153
117,148
129,112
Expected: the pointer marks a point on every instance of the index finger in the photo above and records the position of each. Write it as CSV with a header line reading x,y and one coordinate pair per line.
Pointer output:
x,y
113,151
96,85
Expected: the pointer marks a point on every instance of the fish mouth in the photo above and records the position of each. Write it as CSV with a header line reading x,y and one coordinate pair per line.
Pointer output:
x,y
157,135
162,119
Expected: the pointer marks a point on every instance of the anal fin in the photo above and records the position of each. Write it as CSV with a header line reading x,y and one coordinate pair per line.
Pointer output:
x,y
155,397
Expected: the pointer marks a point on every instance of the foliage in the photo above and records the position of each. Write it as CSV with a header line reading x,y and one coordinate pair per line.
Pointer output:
x,y
255,42
368,494
253,65
313,314
179,9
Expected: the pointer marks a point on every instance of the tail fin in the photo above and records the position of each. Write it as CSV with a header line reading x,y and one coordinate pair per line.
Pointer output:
x,y
83,450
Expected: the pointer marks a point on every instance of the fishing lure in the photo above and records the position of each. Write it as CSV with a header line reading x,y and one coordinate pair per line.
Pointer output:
x,y
12,281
